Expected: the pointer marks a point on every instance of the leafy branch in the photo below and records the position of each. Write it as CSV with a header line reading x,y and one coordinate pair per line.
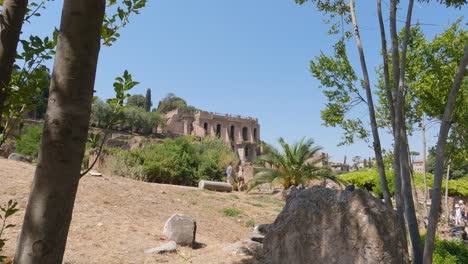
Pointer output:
x,y
7,211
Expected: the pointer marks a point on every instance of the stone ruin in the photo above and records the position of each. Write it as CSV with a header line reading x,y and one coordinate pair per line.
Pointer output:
x,y
242,134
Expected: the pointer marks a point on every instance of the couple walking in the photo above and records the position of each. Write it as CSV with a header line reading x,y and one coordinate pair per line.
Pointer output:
x,y
240,177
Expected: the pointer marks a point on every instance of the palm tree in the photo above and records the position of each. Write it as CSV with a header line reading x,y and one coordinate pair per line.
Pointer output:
x,y
293,166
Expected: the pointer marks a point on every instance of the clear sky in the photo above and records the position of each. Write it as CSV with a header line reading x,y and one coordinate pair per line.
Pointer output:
x,y
244,57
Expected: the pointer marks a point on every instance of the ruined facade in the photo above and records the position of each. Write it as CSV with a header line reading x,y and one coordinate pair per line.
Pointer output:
x,y
242,134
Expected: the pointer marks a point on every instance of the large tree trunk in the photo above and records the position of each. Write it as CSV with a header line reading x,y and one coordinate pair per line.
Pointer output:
x,y
370,104
439,164
11,22
49,211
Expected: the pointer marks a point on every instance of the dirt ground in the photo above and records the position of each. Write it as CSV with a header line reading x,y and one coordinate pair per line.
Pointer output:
x,y
116,219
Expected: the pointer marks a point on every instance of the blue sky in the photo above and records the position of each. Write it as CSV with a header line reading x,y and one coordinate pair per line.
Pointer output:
x,y
244,57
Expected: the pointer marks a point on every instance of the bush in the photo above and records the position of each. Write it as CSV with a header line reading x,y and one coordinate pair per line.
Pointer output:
x,y
369,180
449,251
29,143
182,161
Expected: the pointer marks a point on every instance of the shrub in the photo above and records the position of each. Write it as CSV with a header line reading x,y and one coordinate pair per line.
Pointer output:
x,y
449,251
182,161
369,180
29,143
232,212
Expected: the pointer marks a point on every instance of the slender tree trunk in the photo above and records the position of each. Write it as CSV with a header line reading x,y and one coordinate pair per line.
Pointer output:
x,y
396,133
447,211
439,164
11,22
410,212
49,211
370,103
423,126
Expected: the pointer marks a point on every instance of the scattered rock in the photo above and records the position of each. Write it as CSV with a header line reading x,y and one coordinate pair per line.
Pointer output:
x,y
181,229
238,248
19,157
95,174
166,248
331,226
255,248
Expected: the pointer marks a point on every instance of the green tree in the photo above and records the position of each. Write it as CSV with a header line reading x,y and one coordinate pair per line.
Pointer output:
x,y
171,102
137,100
293,165
148,102
101,113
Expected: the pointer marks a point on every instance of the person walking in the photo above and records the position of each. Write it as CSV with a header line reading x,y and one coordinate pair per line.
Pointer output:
x,y
240,177
464,212
458,215
229,178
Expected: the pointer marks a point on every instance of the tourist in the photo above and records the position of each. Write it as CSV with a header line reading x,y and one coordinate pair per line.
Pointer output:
x,y
464,212
230,180
240,177
458,214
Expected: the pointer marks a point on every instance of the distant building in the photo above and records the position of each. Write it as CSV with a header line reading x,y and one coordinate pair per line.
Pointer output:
x,y
319,159
242,134
418,166
339,167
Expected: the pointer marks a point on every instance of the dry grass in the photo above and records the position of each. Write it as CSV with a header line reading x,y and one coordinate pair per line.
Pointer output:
x,y
115,219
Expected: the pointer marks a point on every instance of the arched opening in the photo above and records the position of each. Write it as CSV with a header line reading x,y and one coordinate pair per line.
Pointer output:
x,y
233,130
246,152
255,134
205,126
245,134
218,130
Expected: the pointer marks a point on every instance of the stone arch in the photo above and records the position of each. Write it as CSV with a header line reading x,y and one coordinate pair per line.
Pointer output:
x,y
245,134
205,127
218,130
232,133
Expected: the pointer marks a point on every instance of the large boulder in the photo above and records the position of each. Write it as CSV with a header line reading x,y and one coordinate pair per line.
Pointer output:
x,y
320,225
181,229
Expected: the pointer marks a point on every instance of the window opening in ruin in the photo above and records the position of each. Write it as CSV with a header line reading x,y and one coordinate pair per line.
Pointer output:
x,y
255,134
245,134
246,151
233,129
205,126
218,130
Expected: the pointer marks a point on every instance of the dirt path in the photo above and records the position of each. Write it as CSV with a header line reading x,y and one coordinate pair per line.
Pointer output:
x,y
115,219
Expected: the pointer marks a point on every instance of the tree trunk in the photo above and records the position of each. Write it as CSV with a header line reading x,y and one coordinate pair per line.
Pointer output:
x,y
11,22
396,134
439,164
49,211
401,138
370,104
447,212
423,126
